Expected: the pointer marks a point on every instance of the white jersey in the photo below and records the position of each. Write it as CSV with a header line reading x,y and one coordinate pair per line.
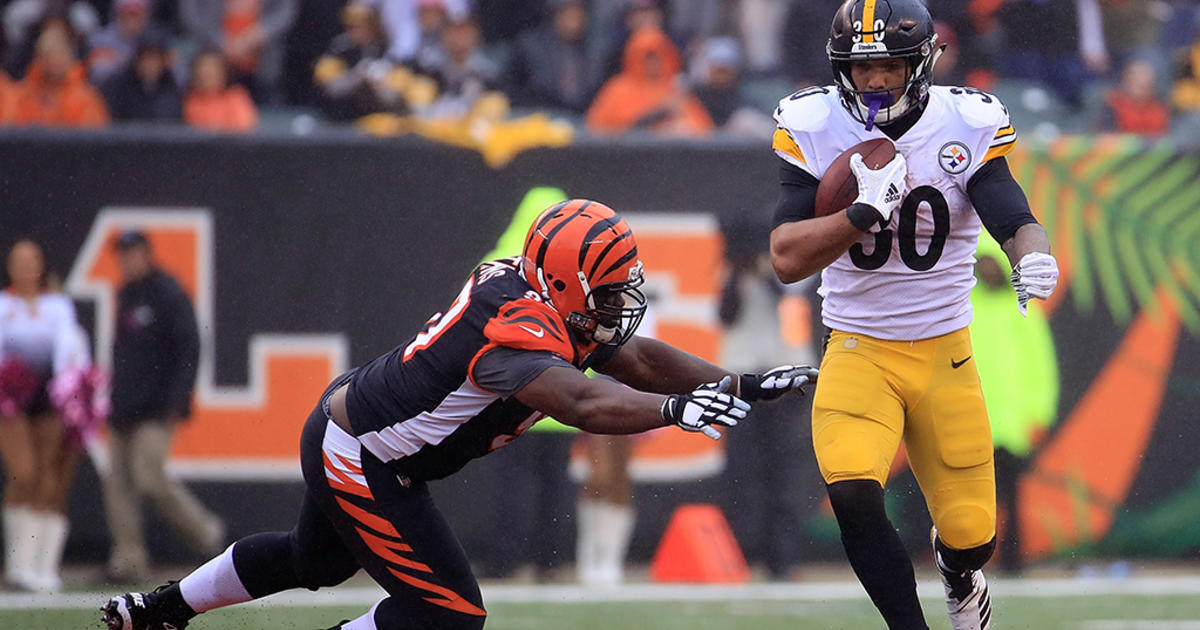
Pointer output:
x,y
43,334
913,279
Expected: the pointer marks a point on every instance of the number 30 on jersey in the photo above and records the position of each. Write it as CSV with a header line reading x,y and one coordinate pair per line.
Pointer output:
x,y
906,238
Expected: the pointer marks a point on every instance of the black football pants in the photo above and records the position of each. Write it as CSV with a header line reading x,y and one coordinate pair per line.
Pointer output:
x,y
358,514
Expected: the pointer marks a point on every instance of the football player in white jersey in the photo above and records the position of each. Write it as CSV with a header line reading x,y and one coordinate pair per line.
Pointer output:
x,y
896,278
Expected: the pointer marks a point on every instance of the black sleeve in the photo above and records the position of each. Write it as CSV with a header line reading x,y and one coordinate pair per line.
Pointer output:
x,y
185,341
507,371
797,195
999,200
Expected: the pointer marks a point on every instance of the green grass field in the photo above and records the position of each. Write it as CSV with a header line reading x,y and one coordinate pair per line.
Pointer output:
x,y
761,607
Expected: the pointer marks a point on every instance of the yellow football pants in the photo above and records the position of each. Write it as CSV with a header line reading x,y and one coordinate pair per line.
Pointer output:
x,y
872,393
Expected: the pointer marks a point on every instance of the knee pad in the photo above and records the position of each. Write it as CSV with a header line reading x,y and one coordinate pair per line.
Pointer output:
x,y
966,525
962,560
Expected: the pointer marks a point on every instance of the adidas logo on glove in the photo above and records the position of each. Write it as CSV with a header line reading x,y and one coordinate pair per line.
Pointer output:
x,y
893,194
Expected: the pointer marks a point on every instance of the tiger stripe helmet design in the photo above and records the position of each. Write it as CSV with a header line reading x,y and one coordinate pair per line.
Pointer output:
x,y
582,259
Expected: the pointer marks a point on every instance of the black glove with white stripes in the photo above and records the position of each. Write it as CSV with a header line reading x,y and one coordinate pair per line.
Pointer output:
x,y
775,382
705,407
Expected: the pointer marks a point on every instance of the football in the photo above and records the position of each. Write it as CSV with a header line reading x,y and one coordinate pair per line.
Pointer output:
x,y
839,188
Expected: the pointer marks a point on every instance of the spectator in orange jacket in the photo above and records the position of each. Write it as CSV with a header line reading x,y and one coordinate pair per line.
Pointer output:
x,y
649,92
55,91
211,102
1133,106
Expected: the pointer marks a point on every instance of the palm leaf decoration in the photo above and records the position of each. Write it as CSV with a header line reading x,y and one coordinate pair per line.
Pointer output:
x,y
1124,215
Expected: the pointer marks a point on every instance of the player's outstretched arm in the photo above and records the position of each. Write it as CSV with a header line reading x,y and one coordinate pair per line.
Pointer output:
x,y
653,366
601,406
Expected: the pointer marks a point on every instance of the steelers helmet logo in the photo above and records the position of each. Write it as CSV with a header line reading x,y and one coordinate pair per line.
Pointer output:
x,y
954,157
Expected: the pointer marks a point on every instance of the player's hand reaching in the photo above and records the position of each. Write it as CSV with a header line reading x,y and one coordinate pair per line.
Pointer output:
x,y
708,405
1034,276
881,189
775,382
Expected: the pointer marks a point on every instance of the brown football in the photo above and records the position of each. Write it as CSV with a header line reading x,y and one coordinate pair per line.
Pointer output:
x,y
839,188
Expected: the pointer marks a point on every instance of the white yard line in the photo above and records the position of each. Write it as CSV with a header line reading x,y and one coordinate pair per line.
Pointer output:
x,y
799,592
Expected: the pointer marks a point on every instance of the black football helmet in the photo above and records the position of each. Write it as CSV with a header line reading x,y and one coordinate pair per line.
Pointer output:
x,y
883,29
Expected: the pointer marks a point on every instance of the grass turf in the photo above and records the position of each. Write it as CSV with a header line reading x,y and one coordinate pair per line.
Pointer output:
x,y
1066,613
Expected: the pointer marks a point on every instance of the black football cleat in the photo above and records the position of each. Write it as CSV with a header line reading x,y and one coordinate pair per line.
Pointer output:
x,y
147,611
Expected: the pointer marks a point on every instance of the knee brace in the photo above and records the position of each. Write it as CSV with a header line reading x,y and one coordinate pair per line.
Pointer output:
x,y
963,560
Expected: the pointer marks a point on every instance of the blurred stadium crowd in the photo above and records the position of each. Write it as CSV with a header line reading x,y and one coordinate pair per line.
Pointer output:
x,y
677,67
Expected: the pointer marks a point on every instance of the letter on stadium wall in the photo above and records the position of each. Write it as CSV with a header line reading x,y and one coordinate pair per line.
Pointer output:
x,y
682,254
250,432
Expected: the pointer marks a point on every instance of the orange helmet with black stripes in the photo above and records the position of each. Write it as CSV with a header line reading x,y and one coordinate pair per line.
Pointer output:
x,y
582,258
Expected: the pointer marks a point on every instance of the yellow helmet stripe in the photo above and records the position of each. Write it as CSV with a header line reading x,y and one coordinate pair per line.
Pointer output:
x,y
868,21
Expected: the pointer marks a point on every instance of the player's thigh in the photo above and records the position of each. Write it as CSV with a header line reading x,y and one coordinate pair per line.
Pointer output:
x,y
857,420
428,571
949,443
393,530
320,556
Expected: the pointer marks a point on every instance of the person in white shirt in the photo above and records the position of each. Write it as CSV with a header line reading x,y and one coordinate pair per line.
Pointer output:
x,y
39,342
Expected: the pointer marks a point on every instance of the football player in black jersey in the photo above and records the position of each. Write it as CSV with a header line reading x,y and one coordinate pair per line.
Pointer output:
x,y
510,349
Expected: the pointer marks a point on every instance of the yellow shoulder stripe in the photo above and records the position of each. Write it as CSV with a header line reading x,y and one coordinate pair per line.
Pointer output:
x,y
783,143
1000,150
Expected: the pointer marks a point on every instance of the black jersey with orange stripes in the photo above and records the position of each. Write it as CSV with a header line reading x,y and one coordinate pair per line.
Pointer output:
x,y
423,408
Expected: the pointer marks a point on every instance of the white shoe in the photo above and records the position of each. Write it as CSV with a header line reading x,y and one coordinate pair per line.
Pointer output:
x,y
967,599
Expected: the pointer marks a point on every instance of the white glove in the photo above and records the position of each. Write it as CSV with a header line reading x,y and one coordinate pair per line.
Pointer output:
x,y
1035,276
704,407
881,189
775,382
